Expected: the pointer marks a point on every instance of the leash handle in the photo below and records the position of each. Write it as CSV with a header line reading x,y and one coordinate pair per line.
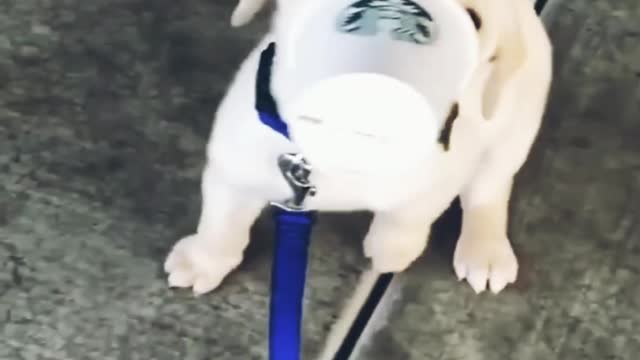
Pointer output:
x,y
293,235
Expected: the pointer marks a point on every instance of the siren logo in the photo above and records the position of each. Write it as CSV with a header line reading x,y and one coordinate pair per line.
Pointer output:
x,y
403,19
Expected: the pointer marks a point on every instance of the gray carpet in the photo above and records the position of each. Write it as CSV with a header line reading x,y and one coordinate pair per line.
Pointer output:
x,y
105,107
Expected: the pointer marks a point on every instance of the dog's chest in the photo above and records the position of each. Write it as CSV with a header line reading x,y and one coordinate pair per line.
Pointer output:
x,y
248,152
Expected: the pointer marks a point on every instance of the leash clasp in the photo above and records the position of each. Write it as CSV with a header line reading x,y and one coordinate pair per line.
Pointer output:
x,y
296,171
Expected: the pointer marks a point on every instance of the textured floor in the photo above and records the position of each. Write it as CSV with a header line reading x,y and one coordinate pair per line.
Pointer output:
x,y
105,107
575,222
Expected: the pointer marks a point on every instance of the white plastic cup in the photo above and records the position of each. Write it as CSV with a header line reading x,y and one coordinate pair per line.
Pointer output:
x,y
369,83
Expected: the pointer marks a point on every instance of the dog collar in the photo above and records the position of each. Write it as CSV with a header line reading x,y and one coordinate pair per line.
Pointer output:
x,y
265,103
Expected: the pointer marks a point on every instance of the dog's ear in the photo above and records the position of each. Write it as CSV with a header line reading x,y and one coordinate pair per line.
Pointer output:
x,y
502,48
245,11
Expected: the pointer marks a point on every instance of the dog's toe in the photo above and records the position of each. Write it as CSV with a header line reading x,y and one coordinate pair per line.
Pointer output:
x,y
485,262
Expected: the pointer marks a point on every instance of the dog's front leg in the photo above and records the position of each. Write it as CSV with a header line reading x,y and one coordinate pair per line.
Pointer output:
x,y
396,239
483,253
202,260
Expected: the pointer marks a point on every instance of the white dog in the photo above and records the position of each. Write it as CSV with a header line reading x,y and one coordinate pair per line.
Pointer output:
x,y
490,132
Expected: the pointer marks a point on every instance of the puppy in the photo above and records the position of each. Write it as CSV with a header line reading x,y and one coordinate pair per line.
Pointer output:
x,y
485,140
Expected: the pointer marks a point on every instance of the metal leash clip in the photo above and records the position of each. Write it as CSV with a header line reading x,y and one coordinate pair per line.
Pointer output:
x,y
296,171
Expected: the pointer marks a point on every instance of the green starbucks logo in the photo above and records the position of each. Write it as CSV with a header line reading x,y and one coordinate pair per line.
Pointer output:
x,y
404,19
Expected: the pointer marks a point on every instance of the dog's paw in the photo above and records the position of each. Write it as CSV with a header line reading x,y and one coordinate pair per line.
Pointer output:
x,y
193,264
481,262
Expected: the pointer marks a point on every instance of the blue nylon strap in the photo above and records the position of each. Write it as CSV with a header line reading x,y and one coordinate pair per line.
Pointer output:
x,y
293,234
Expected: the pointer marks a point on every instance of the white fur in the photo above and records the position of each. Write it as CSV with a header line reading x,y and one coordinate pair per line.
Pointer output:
x,y
500,114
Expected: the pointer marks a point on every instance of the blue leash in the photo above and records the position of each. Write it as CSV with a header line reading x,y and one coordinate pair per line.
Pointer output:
x,y
293,230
